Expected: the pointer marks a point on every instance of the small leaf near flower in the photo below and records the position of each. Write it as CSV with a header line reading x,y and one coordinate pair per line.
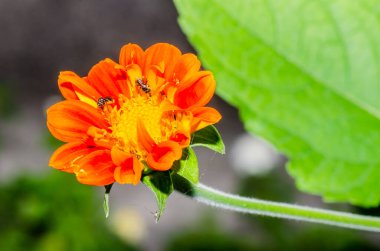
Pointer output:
x,y
208,137
106,206
187,166
161,185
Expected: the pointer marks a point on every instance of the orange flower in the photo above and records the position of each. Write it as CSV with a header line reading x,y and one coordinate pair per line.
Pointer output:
x,y
123,116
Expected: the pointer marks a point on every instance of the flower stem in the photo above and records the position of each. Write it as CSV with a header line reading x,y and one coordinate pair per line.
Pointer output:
x,y
227,201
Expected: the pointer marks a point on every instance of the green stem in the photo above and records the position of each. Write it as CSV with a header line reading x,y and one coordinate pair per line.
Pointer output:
x,y
227,201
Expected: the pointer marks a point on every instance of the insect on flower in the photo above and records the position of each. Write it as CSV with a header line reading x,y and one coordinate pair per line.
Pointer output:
x,y
144,86
103,101
103,146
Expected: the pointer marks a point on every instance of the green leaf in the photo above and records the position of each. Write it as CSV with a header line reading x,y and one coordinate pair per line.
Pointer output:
x,y
208,137
187,166
161,185
106,204
304,75
106,200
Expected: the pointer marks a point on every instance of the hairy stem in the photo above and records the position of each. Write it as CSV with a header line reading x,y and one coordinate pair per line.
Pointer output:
x,y
227,201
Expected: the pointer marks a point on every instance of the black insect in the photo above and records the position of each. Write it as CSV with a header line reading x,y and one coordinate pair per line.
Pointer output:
x,y
144,86
102,101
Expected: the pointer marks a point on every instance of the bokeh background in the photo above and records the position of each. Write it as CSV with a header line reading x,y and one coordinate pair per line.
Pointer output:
x,y
43,209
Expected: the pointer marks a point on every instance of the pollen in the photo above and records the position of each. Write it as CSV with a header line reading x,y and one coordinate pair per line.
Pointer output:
x,y
124,121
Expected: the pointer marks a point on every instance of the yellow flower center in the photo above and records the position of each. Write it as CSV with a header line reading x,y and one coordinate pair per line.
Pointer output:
x,y
124,120
143,107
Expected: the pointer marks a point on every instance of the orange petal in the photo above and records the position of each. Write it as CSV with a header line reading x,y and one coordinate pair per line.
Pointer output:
x,y
66,156
131,54
196,91
187,65
133,73
170,91
74,87
69,120
183,133
163,155
108,79
163,56
167,106
100,137
128,168
204,116
155,80
182,138
96,169
144,138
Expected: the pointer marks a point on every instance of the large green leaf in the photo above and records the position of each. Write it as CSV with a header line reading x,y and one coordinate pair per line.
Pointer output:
x,y
306,76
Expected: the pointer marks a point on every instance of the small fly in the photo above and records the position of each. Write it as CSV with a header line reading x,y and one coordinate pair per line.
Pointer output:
x,y
103,101
144,86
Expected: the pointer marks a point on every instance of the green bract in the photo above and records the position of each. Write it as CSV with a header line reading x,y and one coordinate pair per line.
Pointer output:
x,y
187,167
208,137
161,184
304,75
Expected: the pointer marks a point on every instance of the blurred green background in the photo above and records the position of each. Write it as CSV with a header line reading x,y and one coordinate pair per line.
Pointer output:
x,y
43,209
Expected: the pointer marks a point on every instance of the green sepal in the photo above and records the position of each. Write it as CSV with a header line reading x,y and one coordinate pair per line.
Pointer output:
x,y
208,137
160,183
106,206
187,166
